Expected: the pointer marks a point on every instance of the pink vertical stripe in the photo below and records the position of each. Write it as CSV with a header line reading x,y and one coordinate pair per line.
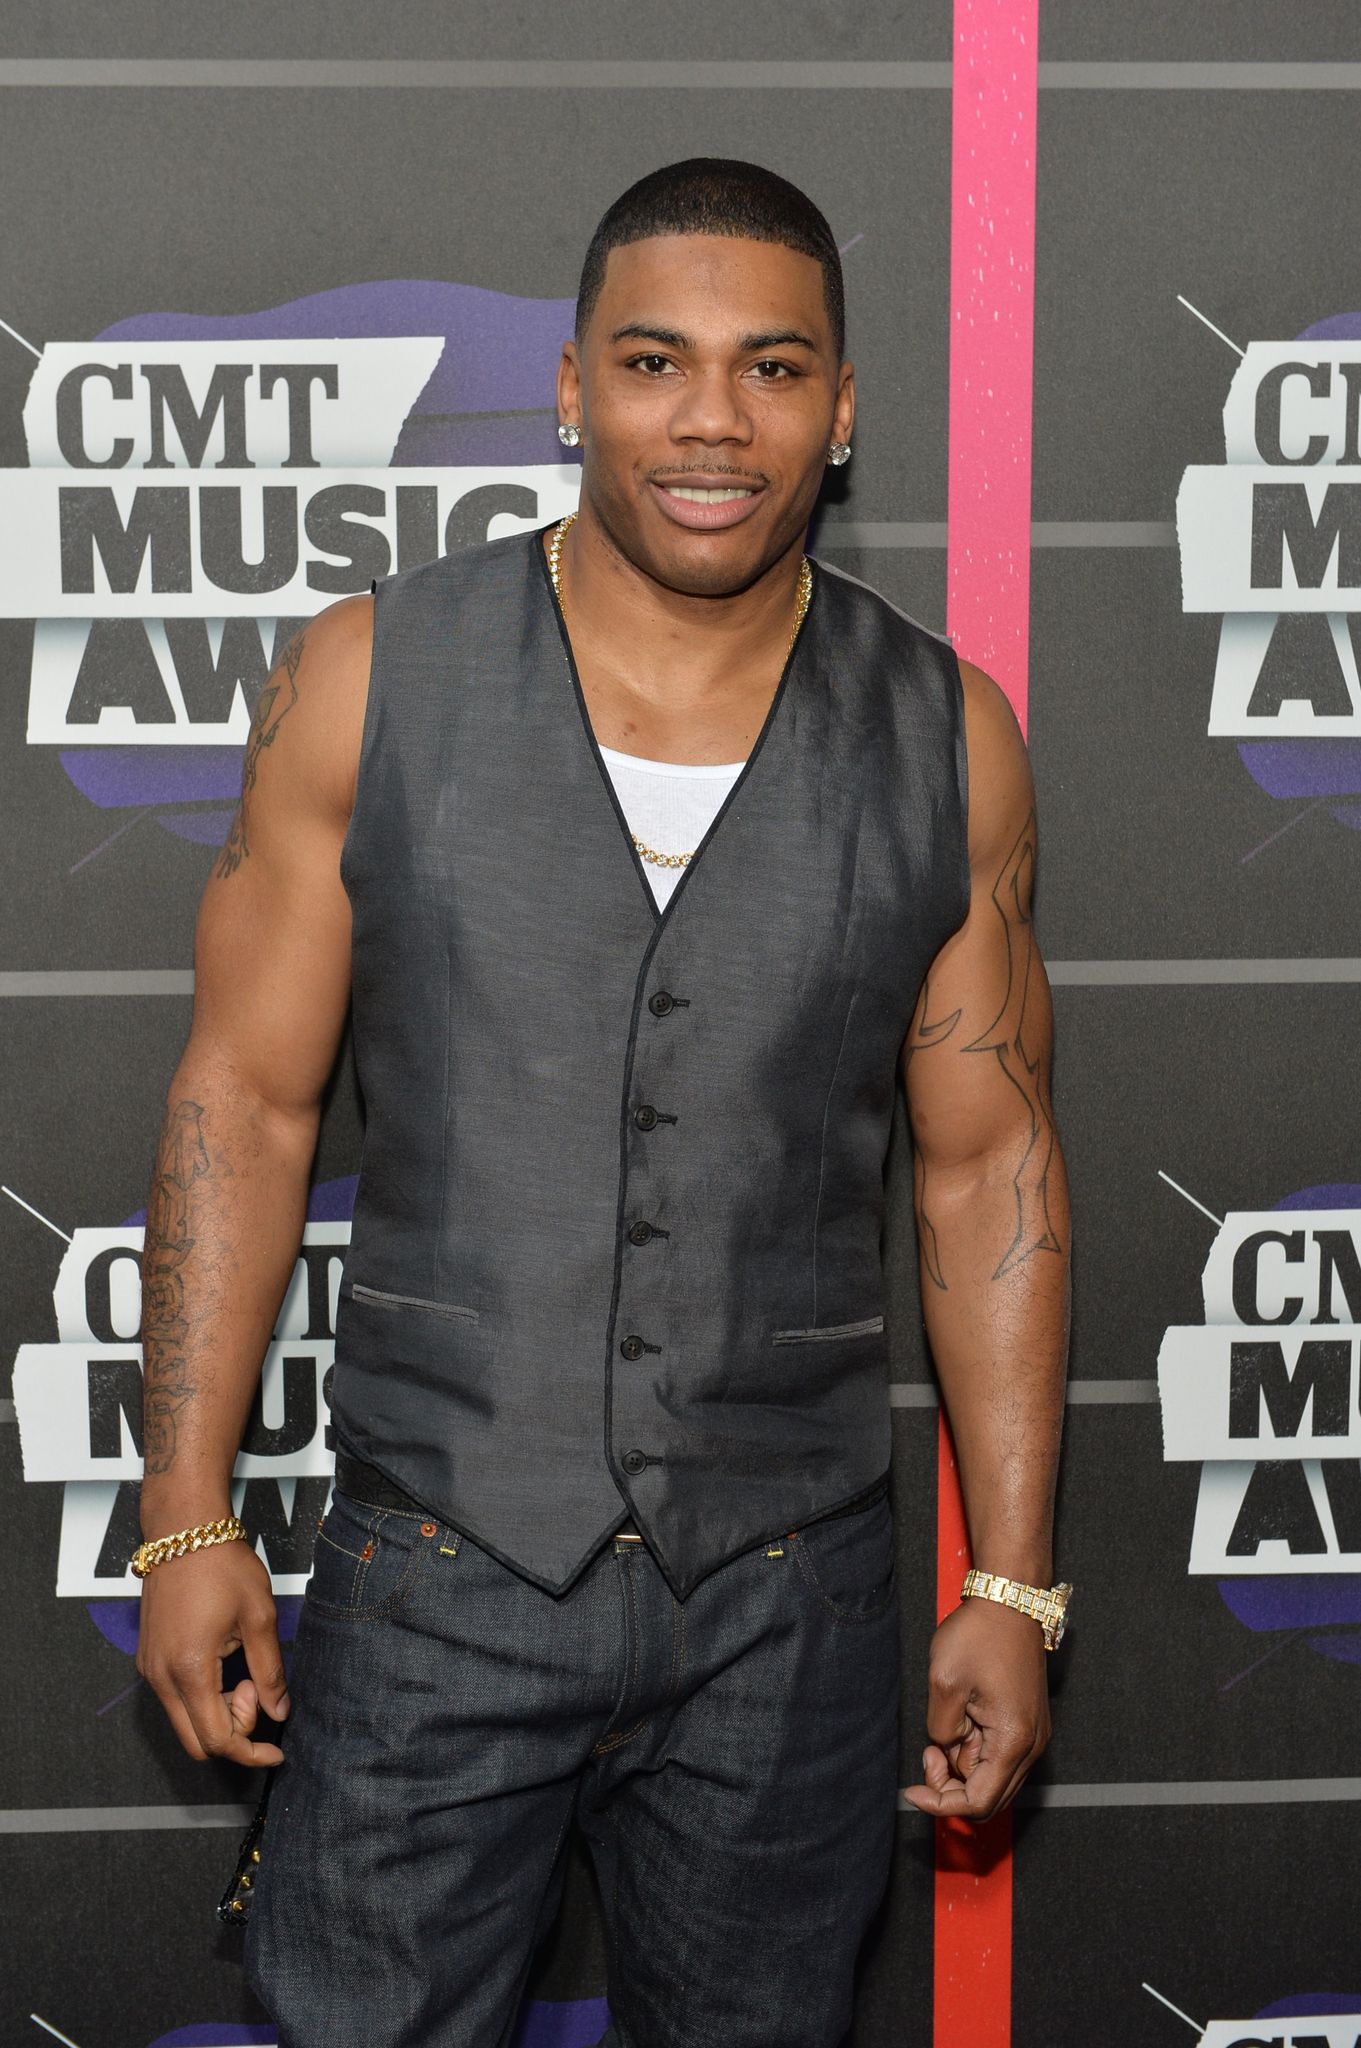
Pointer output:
x,y
992,318
992,321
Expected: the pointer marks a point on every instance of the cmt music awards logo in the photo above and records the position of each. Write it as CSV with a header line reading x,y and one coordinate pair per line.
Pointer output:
x,y
1293,2023
1310,2019
1265,1396
78,1404
1271,539
1318,2030
199,487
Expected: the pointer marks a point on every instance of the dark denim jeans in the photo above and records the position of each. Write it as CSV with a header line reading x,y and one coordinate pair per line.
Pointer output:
x,y
731,1760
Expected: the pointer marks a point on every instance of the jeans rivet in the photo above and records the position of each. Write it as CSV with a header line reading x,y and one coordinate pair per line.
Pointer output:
x,y
427,1528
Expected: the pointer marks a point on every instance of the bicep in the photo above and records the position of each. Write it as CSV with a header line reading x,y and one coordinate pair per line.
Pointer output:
x,y
272,941
976,1058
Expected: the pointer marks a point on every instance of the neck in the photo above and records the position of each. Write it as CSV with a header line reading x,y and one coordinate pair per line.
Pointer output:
x,y
670,643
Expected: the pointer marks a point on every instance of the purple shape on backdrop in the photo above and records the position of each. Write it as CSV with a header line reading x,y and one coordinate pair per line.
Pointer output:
x,y
1343,1649
113,776
288,1607
332,1201
1337,327
1285,768
1294,1600
490,398
116,1621
1337,1194
570,2023
1306,2004
209,828
217,2034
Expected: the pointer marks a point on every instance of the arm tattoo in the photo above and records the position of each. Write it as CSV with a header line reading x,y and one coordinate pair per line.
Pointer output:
x,y
181,1159
1005,1037
923,1034
268,716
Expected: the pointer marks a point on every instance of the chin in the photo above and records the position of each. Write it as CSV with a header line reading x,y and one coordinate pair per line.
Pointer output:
x,y
711,565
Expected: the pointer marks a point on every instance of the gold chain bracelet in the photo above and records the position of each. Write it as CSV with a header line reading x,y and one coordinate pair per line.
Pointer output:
x,y
202,1537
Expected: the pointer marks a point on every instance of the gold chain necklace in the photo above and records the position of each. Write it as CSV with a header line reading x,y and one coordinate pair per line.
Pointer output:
x,y
672,860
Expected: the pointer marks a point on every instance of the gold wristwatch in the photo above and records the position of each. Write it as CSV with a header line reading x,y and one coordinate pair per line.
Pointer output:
x,y
1046,1604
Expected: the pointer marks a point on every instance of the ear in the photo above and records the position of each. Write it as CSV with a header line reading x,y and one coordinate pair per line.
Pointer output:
x,y
570,386
843,415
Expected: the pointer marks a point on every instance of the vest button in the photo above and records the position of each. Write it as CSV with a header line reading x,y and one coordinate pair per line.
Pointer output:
x,y
661,1004
645,1116
633,1461
639,1233
632,1347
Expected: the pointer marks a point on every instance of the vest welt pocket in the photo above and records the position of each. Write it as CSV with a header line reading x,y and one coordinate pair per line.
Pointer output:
x,y
864,1328
434,1308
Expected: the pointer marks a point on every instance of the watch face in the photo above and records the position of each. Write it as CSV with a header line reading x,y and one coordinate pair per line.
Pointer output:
x,y
1065,1593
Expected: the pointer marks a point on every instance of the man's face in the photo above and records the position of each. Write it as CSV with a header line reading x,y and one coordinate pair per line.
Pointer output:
x,y
708,387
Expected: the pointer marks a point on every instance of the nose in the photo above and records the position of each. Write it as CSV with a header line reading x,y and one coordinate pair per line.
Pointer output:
x,y
710,411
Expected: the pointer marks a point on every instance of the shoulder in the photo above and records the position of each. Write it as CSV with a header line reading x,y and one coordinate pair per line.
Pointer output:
x,y
490,567
868,608
1001,790
314,701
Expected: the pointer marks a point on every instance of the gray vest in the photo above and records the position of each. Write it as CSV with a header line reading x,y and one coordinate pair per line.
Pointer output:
x,y
617,1236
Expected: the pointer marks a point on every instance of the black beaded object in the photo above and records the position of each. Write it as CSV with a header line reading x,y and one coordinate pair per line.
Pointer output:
x,y
233,1908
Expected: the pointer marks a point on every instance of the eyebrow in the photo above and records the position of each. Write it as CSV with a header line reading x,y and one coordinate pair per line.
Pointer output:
x,y
670,337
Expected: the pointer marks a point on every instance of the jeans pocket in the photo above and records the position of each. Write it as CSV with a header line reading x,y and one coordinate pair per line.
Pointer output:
x,y
368,1561
849,1563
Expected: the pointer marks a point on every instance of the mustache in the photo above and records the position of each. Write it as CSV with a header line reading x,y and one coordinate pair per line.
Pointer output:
x,y
711,469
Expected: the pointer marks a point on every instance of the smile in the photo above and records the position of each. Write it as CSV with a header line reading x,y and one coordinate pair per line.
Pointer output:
x,y
705,507
696,496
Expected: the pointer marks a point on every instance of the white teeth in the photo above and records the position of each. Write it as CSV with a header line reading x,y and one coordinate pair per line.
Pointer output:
x,y
696,496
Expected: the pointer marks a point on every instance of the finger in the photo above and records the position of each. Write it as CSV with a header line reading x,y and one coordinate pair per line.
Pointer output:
x,y
1007,1770
180,1722
1019,1776
972,1798
965,1756
244,1707
935,1767
947,1715
213,1724
265,1661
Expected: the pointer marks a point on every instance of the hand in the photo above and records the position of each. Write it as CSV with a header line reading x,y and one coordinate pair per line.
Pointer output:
x,y
196,1610
987,1714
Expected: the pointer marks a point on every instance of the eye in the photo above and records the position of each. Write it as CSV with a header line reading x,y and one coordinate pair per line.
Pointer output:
x,y
651,365
772,372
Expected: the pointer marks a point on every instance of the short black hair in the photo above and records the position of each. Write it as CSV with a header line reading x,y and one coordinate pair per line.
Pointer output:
x,y
715,195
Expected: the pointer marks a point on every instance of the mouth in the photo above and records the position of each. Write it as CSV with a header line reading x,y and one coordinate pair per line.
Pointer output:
x,y
707,505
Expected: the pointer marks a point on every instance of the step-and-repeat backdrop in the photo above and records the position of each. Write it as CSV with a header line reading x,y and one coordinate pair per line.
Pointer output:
x,y
281,296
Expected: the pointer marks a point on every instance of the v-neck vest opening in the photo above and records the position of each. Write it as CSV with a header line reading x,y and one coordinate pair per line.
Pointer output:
x,y
662,914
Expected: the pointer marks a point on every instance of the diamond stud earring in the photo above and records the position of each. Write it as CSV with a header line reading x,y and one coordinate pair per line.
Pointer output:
x,y
839,453
570,435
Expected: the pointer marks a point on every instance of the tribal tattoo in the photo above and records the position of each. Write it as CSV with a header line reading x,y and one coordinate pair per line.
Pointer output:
x,y
268,716
922,1035
181,1159
1005,1038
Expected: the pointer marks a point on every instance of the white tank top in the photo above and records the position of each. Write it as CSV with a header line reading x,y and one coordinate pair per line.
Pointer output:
x,y
670,805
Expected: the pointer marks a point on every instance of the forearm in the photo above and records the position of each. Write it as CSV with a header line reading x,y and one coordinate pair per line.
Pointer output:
x,y
224,1220
1000,1341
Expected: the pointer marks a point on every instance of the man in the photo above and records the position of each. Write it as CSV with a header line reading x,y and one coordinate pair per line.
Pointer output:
x,y
610,1538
